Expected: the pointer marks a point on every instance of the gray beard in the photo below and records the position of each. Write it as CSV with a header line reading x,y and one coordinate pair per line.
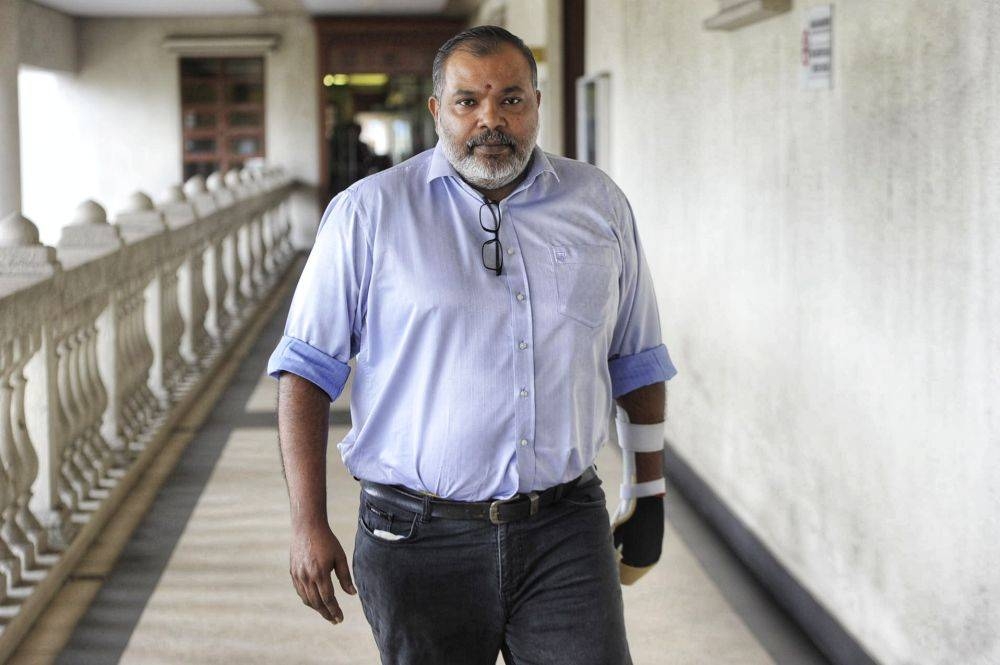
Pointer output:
x,y
486,173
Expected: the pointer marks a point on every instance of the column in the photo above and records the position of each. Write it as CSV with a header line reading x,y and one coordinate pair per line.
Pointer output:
x,y
10,153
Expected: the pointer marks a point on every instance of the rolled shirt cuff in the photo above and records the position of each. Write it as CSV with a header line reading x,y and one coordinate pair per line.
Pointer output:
x,y
298,357
640,369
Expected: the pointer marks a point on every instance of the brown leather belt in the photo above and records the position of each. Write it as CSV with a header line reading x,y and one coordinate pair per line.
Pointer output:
x,y
500,511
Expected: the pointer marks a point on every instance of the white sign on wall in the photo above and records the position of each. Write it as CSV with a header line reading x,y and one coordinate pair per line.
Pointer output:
x,y
817,48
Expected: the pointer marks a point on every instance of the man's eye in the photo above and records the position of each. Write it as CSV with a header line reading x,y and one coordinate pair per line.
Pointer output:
x,y
465,102
513,100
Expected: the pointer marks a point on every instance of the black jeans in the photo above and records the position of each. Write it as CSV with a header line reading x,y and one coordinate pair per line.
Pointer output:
x,y
543,590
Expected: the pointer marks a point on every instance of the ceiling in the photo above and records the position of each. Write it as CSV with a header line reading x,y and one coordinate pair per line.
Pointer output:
x,y
243,7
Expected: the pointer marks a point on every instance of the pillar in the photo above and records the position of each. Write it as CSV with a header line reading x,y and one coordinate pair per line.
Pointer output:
x,y
10,140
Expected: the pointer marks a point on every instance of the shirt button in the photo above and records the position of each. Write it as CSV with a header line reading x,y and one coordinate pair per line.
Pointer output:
x,y
520,296
510,251
522,346
523,393
524,442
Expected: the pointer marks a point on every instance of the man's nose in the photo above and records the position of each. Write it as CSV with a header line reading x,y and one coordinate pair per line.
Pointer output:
x,y
490,115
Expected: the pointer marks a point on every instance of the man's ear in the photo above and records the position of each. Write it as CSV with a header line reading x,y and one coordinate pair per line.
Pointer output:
x,y
433,106
538,98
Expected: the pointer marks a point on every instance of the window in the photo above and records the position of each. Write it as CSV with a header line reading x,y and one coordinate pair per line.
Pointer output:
x,y
222,113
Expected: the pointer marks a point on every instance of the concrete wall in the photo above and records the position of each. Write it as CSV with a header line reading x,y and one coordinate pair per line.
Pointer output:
x,y
826,266
119,125
47,38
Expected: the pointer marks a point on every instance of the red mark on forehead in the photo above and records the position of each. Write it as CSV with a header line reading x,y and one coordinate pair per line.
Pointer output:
x,y
489,85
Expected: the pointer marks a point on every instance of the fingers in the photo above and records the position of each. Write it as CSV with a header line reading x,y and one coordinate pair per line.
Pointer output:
x,y
315,554
317,592
329,607
344,575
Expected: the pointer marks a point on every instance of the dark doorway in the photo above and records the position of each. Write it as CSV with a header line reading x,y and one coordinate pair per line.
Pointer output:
x,y
374,81
574,33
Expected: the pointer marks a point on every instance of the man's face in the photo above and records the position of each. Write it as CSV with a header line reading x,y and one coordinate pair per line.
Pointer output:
x,y
487,117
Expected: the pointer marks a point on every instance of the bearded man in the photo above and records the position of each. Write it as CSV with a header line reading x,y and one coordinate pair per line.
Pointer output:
x,y
497,300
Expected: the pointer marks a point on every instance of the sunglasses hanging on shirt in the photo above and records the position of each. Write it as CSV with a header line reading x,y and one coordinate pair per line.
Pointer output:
x,y
492,250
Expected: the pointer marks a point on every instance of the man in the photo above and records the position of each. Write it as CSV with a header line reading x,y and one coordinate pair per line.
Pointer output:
x,y
496,299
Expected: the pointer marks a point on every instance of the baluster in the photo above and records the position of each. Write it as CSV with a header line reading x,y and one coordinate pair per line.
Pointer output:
x,y
191,300
49,500
177,319
284,217
103,454
111,365
255,236
126,368
246,259
140,219
255,257
206,207
91,446
133,383
267,240
171,341
217,318
232,266
149,402
71,487
194,307
38,548
10,563
75,476
234,276
155,329
81,441
22,254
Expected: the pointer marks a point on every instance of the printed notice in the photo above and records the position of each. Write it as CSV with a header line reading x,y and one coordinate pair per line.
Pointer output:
x,y
817,48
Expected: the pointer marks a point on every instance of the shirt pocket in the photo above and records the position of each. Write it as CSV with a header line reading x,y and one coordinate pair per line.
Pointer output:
x,y
586,276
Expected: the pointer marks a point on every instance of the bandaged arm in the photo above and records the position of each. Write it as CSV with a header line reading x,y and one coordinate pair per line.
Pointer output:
x,y
640,426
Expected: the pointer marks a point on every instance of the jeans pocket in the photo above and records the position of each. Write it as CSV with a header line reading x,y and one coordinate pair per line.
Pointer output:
x,y
586,277
387,524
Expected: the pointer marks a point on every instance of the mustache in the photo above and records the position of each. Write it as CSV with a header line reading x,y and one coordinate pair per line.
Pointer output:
x,y
491,137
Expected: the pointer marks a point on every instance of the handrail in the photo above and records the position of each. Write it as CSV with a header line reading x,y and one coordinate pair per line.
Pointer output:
x,y
101,336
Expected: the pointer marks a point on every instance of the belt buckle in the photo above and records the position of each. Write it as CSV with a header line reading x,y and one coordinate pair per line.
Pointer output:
x,y
495,507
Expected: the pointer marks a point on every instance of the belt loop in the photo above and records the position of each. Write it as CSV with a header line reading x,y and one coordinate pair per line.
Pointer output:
x,y
426,515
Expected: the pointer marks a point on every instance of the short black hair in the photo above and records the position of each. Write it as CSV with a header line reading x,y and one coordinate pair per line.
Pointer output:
x,y
480,41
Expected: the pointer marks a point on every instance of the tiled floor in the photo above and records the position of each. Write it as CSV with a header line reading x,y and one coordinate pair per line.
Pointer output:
x,y
204,577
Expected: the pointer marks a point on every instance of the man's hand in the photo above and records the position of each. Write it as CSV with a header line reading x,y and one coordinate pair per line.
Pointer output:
x,y
303,424
640,536
315,552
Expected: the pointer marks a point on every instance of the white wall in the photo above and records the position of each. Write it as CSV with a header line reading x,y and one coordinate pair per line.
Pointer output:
x,y
118,125
537,23
826,267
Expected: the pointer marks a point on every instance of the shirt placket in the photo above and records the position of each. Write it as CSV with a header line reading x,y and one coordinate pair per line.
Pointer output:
x,y
523,390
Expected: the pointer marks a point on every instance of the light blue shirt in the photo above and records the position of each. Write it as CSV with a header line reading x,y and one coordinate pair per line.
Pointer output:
x,y
472,386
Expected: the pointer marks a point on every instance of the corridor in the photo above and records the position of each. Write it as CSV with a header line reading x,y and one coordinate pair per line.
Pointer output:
x,y
204,576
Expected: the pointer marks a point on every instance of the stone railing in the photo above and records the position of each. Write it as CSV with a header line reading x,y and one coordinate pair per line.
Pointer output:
x,y
100,338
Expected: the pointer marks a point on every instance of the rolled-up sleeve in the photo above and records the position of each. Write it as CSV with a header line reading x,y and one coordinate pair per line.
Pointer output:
x,y
326,320
637,356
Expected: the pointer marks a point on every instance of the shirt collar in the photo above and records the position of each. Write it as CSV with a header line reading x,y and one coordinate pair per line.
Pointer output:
x,y
441,167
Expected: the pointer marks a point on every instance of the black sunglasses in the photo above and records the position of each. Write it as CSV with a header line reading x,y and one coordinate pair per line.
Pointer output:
x,y
492,250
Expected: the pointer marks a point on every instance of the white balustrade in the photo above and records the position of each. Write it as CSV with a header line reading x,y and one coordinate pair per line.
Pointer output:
x,y
102,336
232,265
